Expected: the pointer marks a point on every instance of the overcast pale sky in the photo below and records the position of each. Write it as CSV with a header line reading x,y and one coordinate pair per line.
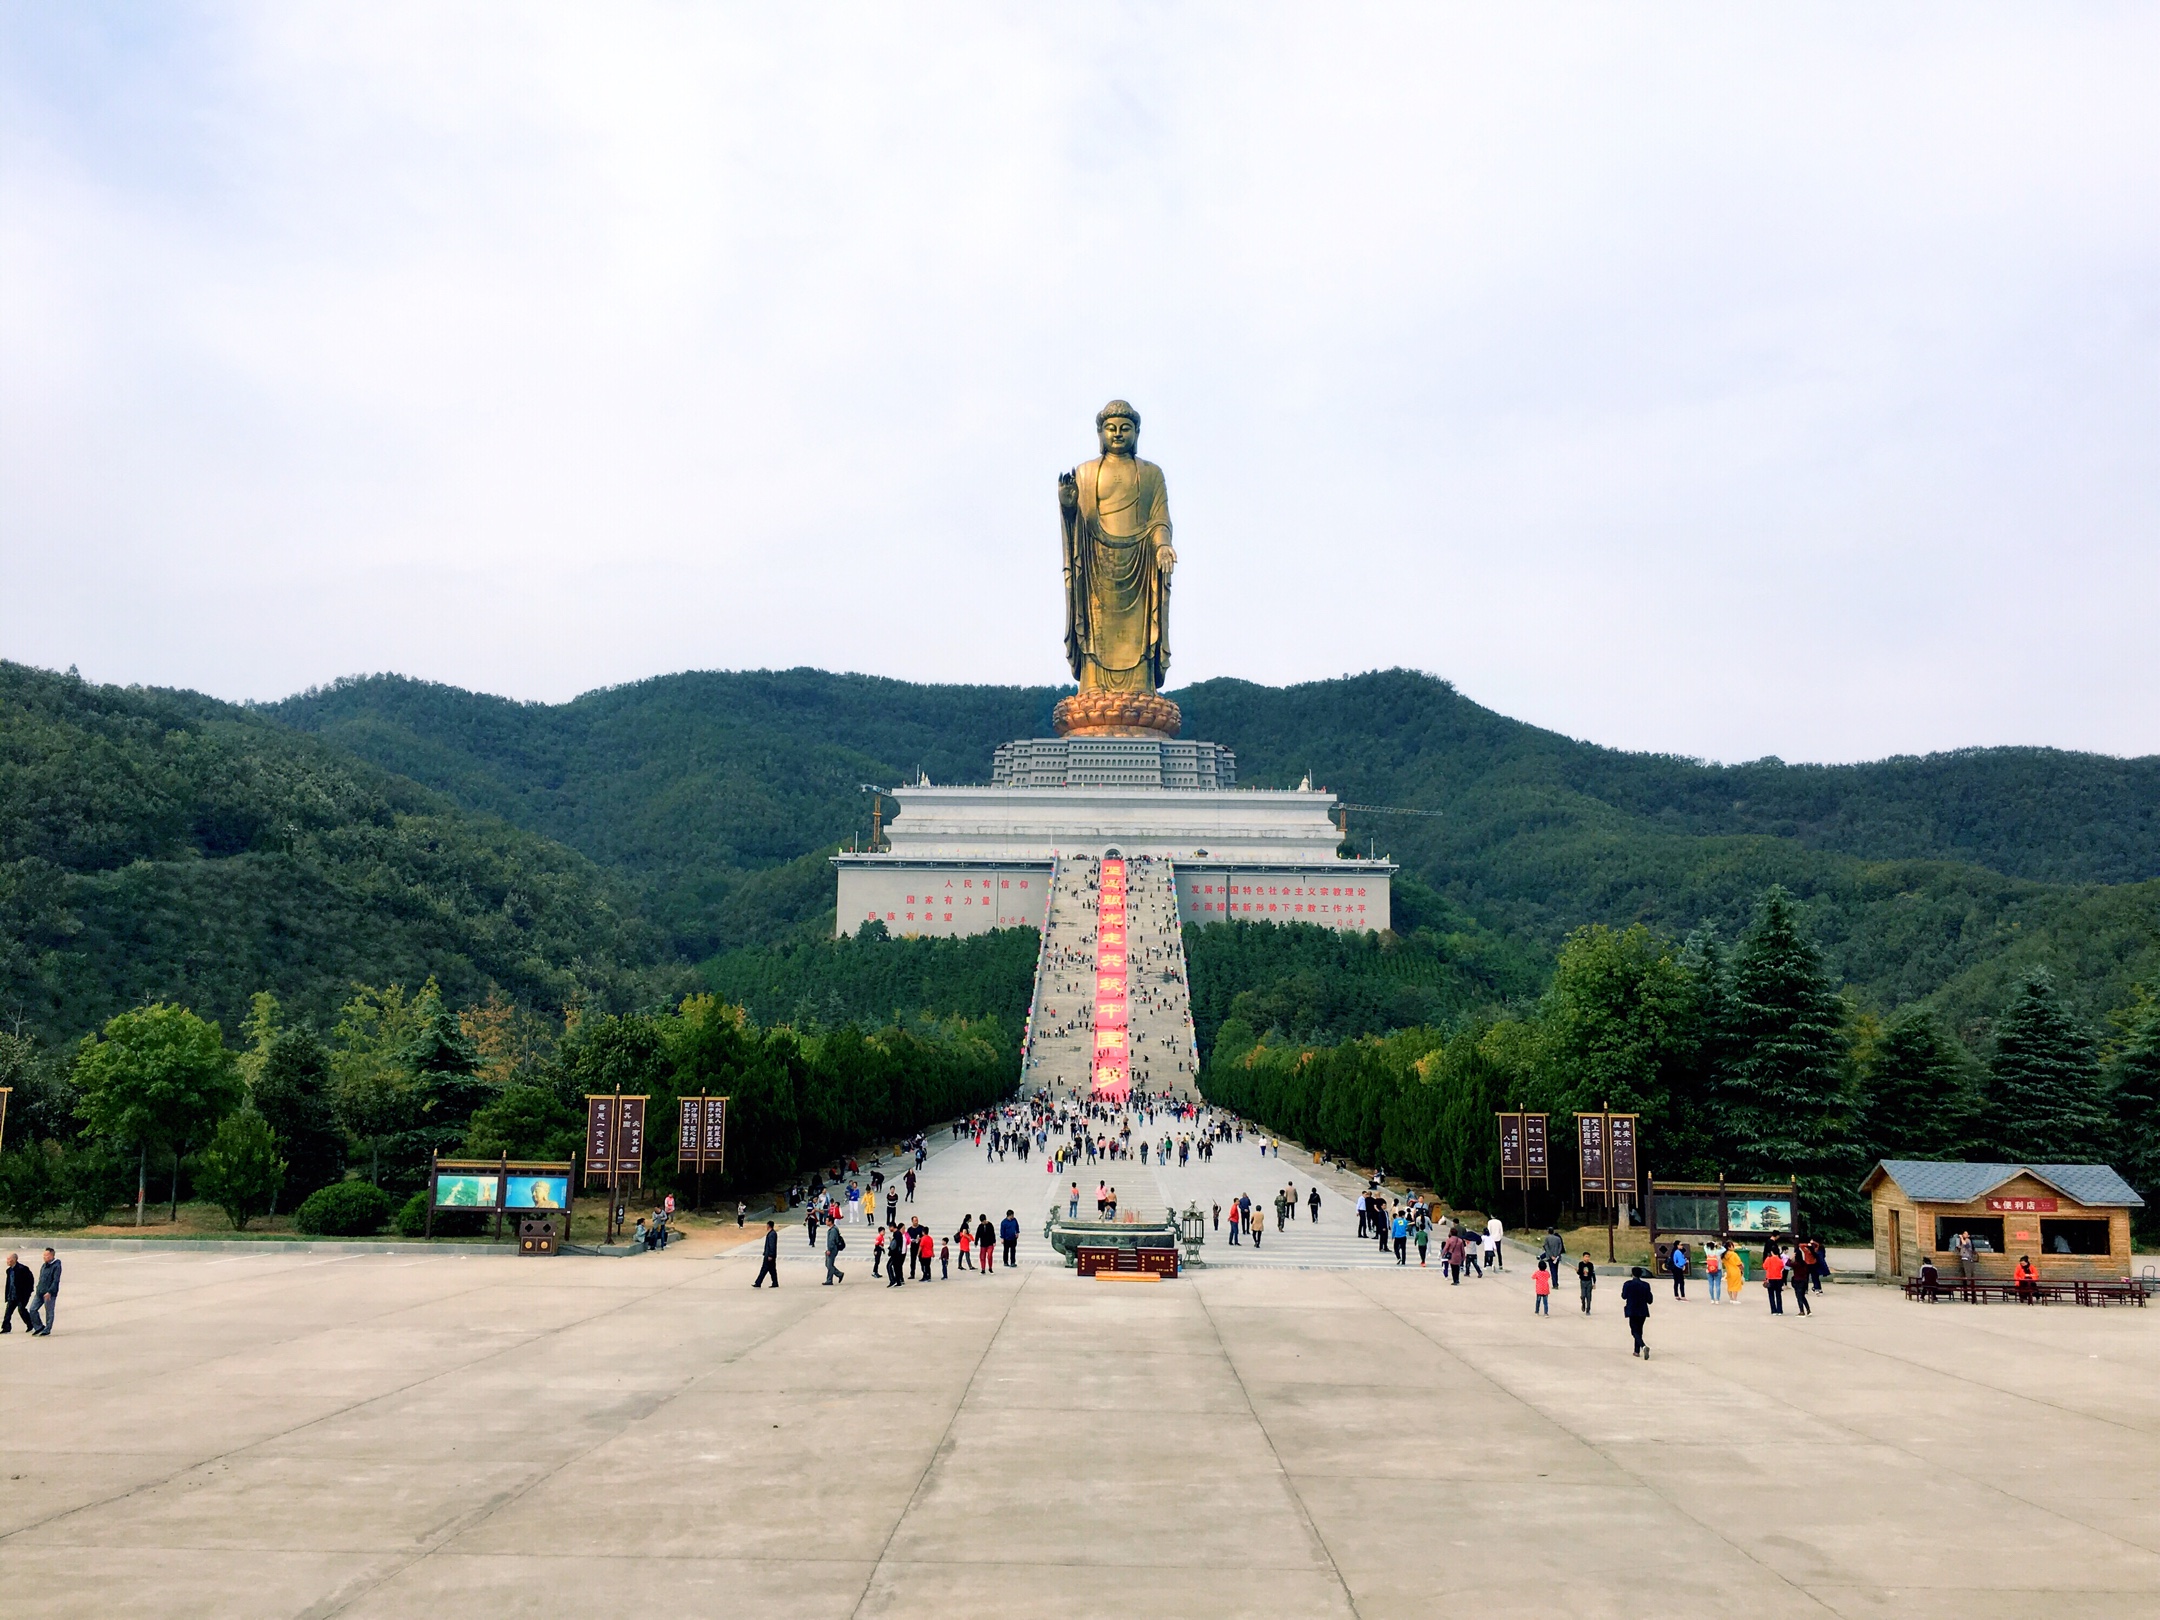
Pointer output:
x,y
1719,380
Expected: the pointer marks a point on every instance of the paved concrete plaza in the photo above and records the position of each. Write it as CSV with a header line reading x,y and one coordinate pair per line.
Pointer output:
x,y
297,1434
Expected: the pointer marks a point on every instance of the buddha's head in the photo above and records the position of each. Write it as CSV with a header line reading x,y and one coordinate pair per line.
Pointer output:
x,y
1117,428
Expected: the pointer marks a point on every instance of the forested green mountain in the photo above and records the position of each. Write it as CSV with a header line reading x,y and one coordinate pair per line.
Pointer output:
x,y
160,845
1942,877
718,795
163,844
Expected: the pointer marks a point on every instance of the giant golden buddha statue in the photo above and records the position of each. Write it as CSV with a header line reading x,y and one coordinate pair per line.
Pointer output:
x,y
1115,513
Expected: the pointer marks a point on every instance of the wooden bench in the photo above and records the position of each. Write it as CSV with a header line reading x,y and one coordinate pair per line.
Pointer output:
x,y
2077,1290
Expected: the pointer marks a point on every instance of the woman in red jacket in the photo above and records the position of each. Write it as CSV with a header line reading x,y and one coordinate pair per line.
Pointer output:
x,y
2028,1281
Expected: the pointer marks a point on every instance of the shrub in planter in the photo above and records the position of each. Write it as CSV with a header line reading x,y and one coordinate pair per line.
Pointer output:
x,y
343,1209
412,1220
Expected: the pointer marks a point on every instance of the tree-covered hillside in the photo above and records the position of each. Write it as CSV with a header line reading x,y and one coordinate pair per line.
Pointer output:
x,y
1943,877
718,795
163,846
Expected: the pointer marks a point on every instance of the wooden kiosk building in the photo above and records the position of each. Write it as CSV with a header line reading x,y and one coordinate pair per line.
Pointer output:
x,y
2072,1219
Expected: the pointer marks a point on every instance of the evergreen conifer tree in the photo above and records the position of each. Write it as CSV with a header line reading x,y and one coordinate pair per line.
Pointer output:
x,y
2134,1096
1698,1100
1921,1099
2045,1100
1785,1090
292,1091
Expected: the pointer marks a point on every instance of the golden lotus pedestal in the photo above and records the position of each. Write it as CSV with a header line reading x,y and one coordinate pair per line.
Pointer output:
x,y
1115,714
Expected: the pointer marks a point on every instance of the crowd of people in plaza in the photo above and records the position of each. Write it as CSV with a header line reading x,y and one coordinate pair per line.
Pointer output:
x,y
1166,1131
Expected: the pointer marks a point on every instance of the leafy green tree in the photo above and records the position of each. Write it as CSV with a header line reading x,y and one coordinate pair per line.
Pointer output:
x,y
1920,1091
260,1029
2045,1099
241,1170
2134,1097
1620,1027
372,1090
1786,1096
1464,1160
159,1078
89,1177
292,1091
42,1104
526,1122
29,1182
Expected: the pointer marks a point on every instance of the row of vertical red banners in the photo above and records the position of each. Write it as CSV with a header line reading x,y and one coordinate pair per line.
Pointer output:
x,y
1112,1069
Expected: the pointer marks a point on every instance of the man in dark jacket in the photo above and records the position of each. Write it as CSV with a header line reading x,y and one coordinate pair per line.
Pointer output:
x,y
19,1286
1009,1232
1554,1249
1635,1306
834,1243
47,1295
771,1267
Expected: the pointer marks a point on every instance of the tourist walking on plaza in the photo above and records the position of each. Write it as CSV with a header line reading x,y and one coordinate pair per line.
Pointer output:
x,y
1424,1239
834,1243
1009,1232
1713,1269
771,1267
1773,1276
896,1246
1801,1274
1678,1260
47,1296
1554,1248
1399,1234
1312,1202
1735,1272
1635,1306
1493,1234
985,1245
21,1287
1452,1252
1541,1285
1586,1279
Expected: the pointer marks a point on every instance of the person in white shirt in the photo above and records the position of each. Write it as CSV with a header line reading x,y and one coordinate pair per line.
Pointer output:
x,y
1493,1233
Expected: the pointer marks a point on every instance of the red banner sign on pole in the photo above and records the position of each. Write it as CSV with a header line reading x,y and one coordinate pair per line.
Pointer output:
x,y
701,1135
630,1139
614,1138
1590,1164
599,1137
1511,1150
689,1132
1620,1148
713,1154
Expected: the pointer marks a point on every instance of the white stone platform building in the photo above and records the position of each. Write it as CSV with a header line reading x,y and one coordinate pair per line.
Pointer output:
x,y
965,860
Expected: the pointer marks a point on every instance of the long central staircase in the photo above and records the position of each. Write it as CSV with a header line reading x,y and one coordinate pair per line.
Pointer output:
x,y
1061,1024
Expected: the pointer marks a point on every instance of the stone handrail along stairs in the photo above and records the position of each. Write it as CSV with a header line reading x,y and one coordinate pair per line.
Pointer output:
x,y
1062,1036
